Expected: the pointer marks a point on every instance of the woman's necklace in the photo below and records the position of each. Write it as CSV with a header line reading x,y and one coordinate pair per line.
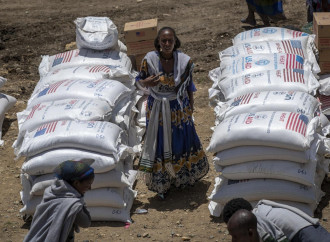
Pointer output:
x,y
166,59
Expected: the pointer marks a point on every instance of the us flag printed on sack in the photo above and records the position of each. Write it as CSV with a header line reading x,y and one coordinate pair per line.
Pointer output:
x,y
63,57
293,75
51,89
294,61
100,68
297,122
293,47
244,99
46,129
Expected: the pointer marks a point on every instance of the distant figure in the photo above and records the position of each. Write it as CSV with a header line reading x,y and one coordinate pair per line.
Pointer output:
x,y
281,222
62,208
316,6
242,226
267,10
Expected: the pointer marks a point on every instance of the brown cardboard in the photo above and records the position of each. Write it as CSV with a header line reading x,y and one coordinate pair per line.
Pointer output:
x,y
321,24
323,43
324,54
325,67
140,47
141,30
138,60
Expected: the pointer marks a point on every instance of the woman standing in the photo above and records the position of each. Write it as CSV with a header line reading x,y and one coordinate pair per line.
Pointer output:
x,y
172,152
267,10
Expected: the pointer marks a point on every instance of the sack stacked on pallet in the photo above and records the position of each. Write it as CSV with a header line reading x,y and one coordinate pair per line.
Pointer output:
x,y
267,141
82,108
6,103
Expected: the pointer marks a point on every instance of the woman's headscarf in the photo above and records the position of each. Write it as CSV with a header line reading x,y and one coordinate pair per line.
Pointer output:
x,y
71,171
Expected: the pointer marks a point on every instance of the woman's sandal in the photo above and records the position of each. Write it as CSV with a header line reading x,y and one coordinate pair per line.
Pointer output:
x,y
252,22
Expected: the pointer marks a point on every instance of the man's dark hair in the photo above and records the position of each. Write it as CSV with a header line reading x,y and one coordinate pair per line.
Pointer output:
x,y
234,205
177,43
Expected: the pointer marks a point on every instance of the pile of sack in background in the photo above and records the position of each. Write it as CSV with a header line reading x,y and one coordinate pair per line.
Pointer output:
x,y
83,107
269,140
6,102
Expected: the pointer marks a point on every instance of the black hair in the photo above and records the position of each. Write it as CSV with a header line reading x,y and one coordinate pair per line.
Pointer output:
x,y
177,43
233,206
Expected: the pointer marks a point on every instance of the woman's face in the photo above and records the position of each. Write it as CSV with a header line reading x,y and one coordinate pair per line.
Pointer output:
x,y
166,41
83,186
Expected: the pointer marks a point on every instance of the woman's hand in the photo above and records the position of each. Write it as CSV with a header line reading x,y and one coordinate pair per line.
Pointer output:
x,y
150,81
191,100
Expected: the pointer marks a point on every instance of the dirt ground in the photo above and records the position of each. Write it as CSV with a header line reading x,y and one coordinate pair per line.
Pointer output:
x,y
29,29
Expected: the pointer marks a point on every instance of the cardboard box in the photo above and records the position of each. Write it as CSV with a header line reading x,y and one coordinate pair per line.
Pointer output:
x,y
325,67
141,30
140,47
321,28
324,55
138,60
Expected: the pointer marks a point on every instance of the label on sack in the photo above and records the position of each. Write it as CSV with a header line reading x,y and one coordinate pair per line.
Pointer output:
x,y
267,34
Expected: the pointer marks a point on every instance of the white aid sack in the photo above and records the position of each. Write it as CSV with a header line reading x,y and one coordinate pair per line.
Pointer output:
x,y
66,109
6,103
105,197
324,85
84,57
243,154
113,178
242,65
271,80
216,208
97,136
114,214
288,101
302,46
108,90
276,129
257,189
91,72
29,207
272,169
141,118
97,33
267,34
47,161
2,81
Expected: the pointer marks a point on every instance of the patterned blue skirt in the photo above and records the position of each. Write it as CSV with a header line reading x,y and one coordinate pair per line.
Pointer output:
x,y
188,157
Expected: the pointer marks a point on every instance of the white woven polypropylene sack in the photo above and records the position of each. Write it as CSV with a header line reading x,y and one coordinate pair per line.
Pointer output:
x,y
108,90
276,129
257,189
91,72
142,107
105,197
242,65
114,214
267,34
98,33
289,101
6,103
243,154
97,136
67,109
47,161
302,46
216,208
85,57
113,178
271,169
271,80
2,81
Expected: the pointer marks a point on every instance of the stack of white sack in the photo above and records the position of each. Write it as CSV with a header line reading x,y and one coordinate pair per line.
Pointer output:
x,y
83,108
269,138
6,103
